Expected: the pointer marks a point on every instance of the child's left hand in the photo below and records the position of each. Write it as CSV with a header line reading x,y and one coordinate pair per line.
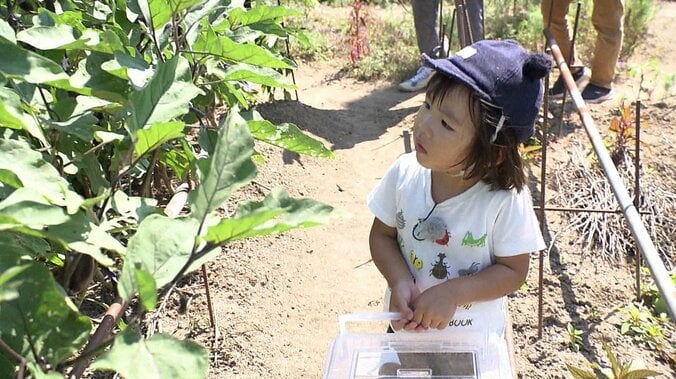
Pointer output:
x,y
434,308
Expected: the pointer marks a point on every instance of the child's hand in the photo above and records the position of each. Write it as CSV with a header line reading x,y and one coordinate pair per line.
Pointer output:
x,y
401,297
434,308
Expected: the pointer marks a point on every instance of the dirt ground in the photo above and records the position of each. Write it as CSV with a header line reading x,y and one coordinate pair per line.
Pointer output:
x,y
276,300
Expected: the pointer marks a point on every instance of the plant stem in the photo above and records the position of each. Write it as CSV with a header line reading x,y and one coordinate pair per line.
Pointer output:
x,y
147,179
16,356
99,338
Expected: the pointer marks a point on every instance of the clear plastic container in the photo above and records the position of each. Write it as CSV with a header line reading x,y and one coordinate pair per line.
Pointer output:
x,y
433,354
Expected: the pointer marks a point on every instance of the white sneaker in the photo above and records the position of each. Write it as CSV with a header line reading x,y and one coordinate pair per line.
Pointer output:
x,y
418,81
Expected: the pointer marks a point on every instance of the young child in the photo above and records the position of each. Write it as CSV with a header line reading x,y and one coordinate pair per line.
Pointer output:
x,y
454,223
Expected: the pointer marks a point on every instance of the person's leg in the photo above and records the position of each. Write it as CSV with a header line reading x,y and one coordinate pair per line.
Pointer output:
x,y
426,22
558,25
607,19
555,17
472,12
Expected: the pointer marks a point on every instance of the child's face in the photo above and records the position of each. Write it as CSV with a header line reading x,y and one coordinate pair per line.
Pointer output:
x,y
443,132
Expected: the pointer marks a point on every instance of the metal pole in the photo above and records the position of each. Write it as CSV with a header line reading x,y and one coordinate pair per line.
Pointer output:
x,y
638,230
570,57
450,33
637,188
288,54
442,32
543,173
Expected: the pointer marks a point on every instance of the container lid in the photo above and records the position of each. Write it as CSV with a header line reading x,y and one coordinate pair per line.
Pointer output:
x,y
417,355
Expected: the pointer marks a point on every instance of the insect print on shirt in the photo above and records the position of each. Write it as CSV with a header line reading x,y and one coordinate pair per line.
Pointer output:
x,y
401,220
415,261
471,270
432,229
444,239
440,269
469,240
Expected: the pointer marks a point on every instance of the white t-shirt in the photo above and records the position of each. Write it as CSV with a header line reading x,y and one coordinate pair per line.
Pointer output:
x,y
457,237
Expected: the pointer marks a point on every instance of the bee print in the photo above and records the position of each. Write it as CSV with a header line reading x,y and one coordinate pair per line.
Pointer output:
x,y
439,269
415,261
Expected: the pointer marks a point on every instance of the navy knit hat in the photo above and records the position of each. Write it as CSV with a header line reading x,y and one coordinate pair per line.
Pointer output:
x,y
503,74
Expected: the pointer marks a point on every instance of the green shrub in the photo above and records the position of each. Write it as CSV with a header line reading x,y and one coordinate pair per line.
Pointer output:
x,y
637,13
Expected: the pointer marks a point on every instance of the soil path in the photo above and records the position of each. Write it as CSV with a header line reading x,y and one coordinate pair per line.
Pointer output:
x,y
277,299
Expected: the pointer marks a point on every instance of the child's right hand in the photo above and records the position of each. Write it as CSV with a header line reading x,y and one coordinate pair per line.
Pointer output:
x,y
401,299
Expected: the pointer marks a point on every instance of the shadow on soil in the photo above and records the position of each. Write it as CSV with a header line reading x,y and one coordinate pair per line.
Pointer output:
x,y
363,120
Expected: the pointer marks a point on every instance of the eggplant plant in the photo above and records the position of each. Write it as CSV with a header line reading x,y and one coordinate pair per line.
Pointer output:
x,y
104,107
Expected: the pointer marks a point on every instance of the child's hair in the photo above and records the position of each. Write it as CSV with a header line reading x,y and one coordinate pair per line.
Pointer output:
x,y
505,82
497,163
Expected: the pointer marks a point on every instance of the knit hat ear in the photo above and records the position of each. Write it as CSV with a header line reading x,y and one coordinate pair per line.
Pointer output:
x,y
536,66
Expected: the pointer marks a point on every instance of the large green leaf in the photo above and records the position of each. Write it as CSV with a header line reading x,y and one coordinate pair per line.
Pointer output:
x,y
65,37
9,288
275,214
110,41
7,32
90,103
166,96
260,13
13,116
156,134
91,80
269,29
231,94
11,180
41,321
136,208
260,75
38,175
30,209
163,10
127,67
158,357
81,126
50,37
180,159
161,247
288,136
228,168
35,246
92,168
147,289
81,234
9,223
225,48
19,63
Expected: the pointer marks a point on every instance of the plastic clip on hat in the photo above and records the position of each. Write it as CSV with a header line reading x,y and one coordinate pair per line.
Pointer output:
x,y
503,74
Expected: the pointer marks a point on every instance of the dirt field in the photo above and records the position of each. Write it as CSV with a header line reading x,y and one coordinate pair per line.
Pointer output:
x,y
277,299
